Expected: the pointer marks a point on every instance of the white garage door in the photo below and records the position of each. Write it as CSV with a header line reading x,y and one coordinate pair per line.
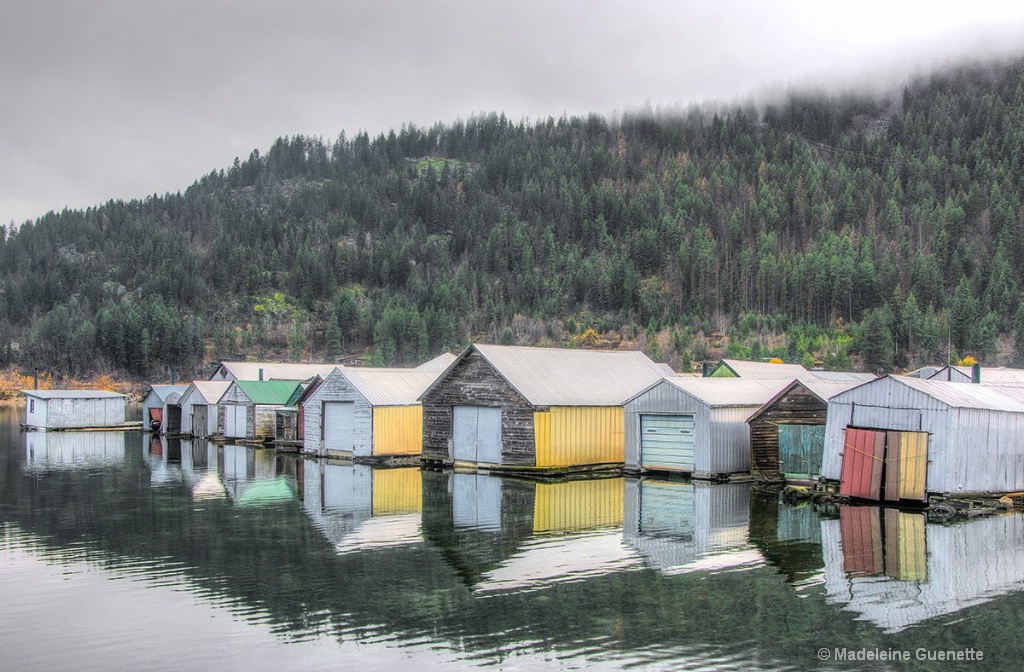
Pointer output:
x,y
234,421
476,434
666,442
339,425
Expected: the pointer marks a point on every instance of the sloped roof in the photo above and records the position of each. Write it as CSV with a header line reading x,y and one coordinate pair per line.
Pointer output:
x,y
763,370
162,392
72,394
959,395
211,390
439,363
725,392
275,370
990,375
270,392
568,377
390,387
839,376
822,389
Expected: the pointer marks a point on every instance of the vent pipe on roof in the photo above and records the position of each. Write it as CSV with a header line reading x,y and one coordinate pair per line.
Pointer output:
x,y
261,374
976,373
35,378
172,375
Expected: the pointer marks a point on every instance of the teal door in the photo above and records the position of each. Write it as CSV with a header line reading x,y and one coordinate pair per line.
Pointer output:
x,y
800,450
666,442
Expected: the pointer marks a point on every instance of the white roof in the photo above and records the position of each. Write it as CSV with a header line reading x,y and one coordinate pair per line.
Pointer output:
x,y
275,370
72,394
439,363
966,395
990,375
764,370
389,387
211,390
568,377
724,392
825,389
839,376
163,392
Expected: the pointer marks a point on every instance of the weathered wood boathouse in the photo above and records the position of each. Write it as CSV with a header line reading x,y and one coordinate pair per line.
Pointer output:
x,y
248,408
899,438
367,413
787,434
525,408
199,405
158,407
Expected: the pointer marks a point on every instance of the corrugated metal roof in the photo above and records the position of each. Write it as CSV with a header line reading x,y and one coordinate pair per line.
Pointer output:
x,y
842,376
723,392
990,375
566,377
162,392
276,371
269,392
390,387
968,395
764,370
71,394
439,363
211,390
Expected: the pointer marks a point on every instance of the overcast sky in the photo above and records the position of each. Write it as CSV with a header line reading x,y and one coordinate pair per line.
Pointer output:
x,y
123,99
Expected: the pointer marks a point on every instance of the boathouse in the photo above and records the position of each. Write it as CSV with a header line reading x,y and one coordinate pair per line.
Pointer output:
x,y
199,407
367,413
694,425
73,409
291,420
739,368
787,434
987,375
157,411
526,408
898,438
248,408
270,371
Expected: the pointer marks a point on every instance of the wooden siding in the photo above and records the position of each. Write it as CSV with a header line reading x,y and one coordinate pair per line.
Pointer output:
x,y
796,407
235,397
397,491
474,382
579,505
580,436
398,430
337,388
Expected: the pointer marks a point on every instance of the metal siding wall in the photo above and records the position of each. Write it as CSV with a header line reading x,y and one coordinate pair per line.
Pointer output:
x,y
888,405
398,430
581,435
542,436
579,505
986,454
667,399
729,446
397,491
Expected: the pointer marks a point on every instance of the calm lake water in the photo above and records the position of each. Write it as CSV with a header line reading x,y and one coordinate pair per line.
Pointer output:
x,y
118,552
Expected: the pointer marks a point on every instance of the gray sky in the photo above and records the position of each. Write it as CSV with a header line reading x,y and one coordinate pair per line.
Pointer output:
x,y
123,99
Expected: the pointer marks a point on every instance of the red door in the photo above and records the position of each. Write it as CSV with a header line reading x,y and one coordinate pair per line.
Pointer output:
x,y
863,451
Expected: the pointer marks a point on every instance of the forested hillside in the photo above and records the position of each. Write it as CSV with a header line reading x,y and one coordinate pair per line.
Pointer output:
x,y
843,229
